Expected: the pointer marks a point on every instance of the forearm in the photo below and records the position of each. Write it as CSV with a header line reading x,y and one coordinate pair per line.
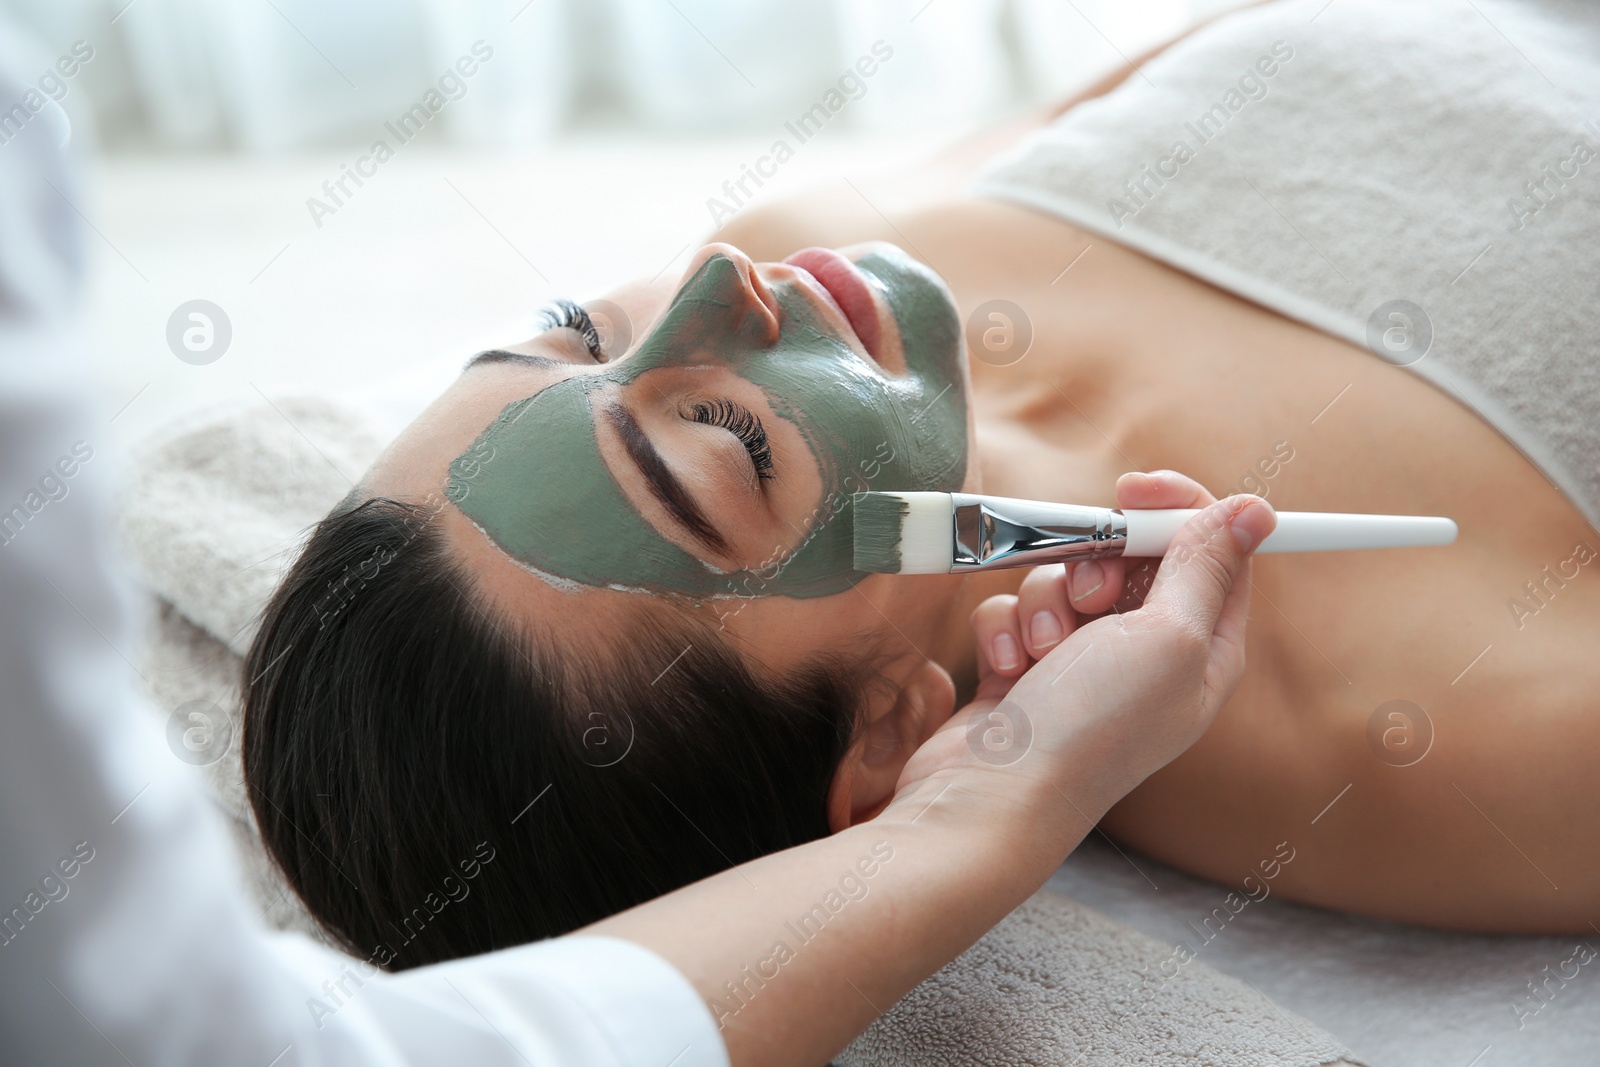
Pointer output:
x,y
796,953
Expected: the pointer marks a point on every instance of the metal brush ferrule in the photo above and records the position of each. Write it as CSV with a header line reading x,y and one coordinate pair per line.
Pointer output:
x,y
996,532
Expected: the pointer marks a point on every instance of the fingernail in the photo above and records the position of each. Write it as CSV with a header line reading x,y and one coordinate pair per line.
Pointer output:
x,y
1087,578
1249,526
1044,630
1004,652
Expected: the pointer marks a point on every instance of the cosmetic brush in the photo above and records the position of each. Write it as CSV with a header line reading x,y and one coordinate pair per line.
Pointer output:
x,y
952,533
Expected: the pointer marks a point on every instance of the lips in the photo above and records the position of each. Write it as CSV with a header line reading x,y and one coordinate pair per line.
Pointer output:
x,y
849,289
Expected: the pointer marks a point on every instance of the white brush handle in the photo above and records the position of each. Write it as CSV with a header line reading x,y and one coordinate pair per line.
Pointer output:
x,y
1151,531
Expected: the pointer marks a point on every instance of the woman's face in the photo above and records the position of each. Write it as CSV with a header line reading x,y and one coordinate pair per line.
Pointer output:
x,y
714,459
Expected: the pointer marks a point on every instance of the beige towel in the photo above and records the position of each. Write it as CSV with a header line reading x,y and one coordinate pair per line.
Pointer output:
x,y
1059,984
1415,177
216,513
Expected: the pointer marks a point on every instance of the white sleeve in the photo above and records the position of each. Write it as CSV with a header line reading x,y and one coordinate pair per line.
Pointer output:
x,y
125,936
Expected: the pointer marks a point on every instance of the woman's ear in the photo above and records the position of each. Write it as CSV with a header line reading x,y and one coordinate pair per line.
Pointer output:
x,y
899,718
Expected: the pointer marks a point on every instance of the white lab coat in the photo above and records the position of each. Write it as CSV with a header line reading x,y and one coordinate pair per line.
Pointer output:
x,y
125,936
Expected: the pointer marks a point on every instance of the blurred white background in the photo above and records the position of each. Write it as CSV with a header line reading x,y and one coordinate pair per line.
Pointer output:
x,y
536,148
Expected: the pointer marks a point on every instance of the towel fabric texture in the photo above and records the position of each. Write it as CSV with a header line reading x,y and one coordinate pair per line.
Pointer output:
x,y
1399,995
1418,177
217,511
1057,983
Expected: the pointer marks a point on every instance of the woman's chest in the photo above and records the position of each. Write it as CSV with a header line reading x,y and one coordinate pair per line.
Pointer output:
x,y
1183,376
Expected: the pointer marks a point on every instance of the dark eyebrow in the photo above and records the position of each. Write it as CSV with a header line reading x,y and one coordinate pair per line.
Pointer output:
x,y
663,483
500,355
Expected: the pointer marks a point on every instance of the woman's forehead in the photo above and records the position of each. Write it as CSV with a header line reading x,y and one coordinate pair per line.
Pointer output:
x,y
418,460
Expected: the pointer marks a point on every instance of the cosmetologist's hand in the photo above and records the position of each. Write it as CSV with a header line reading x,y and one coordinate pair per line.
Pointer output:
x,y
1015,632
1120,694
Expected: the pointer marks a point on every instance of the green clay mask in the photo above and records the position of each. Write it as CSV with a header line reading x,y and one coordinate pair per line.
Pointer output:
x,y
536,483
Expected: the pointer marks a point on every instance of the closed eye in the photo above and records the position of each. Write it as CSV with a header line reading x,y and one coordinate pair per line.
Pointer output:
x,y
667,489
570,315
743,424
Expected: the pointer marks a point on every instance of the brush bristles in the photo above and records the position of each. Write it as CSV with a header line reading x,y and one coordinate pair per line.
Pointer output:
x,y
904,533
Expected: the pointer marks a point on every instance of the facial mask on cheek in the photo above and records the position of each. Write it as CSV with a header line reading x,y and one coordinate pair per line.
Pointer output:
x,y
536,483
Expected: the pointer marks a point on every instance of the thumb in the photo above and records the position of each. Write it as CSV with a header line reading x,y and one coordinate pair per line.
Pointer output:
x,y
1205,558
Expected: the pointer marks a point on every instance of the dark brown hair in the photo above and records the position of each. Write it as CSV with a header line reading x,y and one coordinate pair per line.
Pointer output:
x,y
434,782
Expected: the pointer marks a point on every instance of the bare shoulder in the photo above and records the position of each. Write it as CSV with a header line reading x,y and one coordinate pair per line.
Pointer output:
x,y
931,202
832,216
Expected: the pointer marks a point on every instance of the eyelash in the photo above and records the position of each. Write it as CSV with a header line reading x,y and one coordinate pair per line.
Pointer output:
x,y
570,315
722,413
738,420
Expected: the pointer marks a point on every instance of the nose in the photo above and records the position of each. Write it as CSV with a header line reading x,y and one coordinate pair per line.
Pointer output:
x,y
752,297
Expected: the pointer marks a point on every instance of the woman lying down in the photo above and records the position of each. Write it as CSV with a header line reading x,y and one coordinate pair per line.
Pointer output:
x,y
607,622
